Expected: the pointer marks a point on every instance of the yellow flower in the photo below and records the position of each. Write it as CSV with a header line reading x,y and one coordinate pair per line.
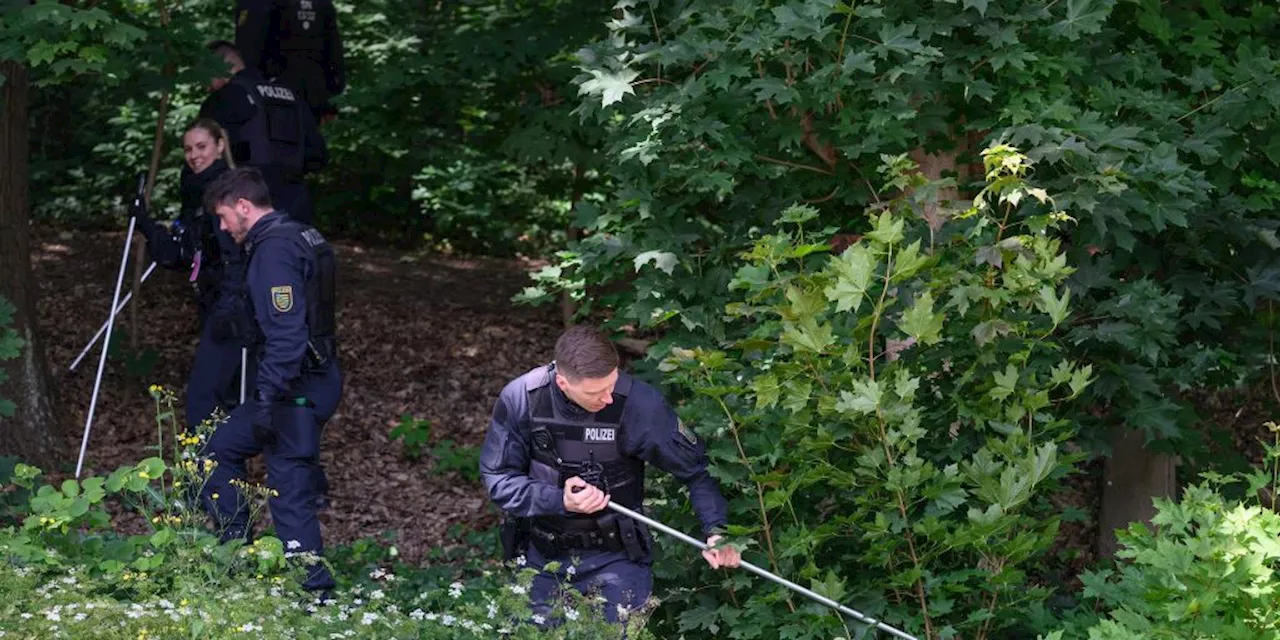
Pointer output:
x,y
177,484
215,496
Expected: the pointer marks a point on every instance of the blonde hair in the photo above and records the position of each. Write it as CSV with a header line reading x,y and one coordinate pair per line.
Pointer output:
x,y
218,134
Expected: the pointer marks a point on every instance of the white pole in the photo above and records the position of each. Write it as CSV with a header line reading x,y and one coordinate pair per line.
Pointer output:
x,y
103,328
244,370
765,574
106,343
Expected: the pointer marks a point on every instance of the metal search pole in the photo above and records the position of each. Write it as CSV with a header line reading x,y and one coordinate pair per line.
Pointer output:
x,y
765,574
103,328
111,320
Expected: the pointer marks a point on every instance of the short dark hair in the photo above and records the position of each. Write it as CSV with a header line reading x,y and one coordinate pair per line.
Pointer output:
x,y
583,352
234,184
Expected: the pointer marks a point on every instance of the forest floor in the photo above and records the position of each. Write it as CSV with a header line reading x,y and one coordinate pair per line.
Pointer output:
x,y
433,336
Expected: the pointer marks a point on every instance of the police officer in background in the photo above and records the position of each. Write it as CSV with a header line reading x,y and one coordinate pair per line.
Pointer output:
x,y
270,129
291,272
567,438
297,42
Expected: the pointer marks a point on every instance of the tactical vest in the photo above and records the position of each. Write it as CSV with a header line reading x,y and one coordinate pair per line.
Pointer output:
x,y
321,296
301,29
276,135
590,448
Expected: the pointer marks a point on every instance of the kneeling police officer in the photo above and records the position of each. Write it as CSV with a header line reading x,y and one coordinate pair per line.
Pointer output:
x,y
291,277
567,438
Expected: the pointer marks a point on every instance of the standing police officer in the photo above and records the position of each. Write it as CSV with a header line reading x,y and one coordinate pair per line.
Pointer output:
x,y
297,42
216,269
291,271
567,438
270,129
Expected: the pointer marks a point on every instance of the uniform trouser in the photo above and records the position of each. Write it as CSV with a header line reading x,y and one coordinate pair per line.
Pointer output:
x,y
293,471
294,198
621,581
215,377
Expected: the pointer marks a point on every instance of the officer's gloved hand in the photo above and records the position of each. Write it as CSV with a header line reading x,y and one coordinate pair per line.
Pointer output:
x,y
263,430
138,210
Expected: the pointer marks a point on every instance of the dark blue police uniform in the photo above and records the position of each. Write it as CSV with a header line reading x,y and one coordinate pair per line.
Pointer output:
x,y
291,291
538,438
296,41
272,130
196,244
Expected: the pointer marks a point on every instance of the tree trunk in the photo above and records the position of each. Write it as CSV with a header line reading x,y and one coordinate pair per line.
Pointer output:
x,y
1134,476
33,433
567,307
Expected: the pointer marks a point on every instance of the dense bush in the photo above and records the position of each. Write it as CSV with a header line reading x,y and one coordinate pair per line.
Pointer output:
x,y
1156,127
1207,570
888,420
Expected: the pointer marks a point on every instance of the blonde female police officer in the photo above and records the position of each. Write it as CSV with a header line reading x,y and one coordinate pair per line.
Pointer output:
x,y
567,438
194,244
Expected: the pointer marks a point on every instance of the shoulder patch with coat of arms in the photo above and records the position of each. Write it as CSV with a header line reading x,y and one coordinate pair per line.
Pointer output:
x,y
686,432
282,298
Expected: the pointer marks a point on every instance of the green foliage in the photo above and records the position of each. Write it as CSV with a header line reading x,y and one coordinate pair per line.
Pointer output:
x,y
414,433
448,456
10,348
889,418
452,457
1208,570
1156,127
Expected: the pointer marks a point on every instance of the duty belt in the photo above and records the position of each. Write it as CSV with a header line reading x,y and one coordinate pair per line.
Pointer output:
x,y
605,533
554,543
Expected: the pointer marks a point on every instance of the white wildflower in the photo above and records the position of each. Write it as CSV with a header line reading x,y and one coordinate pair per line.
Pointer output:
x,y
455,590
293,544
417,614
369,618
571,614
538,619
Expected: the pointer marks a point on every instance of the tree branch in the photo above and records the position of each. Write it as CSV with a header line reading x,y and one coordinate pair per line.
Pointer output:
x,y
794,165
